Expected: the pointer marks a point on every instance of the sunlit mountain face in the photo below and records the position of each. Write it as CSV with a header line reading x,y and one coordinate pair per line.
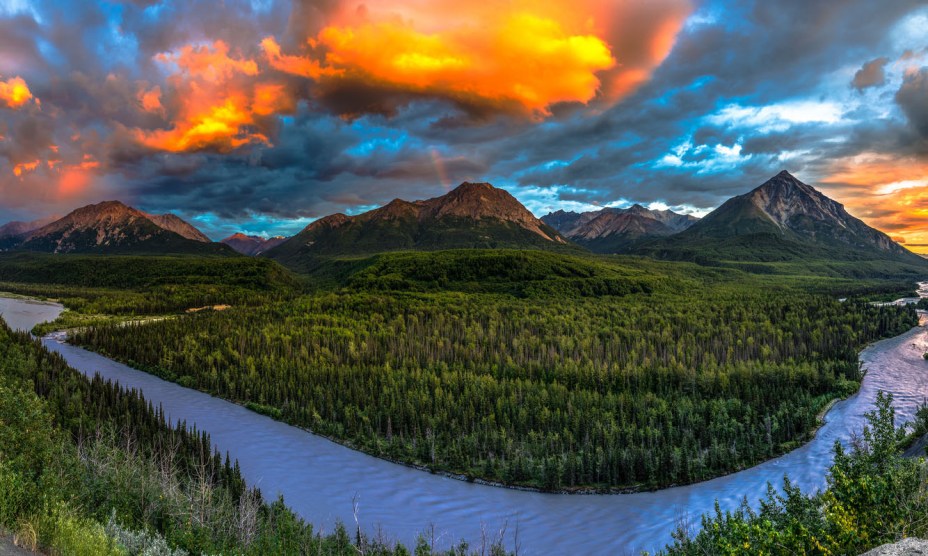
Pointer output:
x,y
261,116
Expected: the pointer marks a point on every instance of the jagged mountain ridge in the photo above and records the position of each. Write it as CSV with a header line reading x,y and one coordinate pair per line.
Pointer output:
x,y
473,215
112,226
614,230
252,245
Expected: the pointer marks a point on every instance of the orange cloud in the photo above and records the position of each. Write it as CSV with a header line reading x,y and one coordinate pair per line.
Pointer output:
x,y
217,103
55,177
25,167
14,92
886,192
510,54
150,100
73,180
209,63
295,65
524,58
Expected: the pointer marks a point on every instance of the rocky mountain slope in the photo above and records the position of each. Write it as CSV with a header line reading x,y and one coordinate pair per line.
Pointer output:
x,y
781,219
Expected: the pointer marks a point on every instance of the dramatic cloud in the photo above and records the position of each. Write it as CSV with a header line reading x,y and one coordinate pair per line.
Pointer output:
x,y
14,92
215,105
264,115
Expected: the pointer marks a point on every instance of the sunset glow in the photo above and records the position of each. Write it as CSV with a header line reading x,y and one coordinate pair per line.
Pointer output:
x,y
887,192
310,108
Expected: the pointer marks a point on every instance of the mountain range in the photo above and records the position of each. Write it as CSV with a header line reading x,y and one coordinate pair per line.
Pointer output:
x,y
781,220
252,245
473,215
617,230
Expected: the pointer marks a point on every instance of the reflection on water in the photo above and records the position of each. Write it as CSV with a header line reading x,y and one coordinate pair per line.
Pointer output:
x,y
319,478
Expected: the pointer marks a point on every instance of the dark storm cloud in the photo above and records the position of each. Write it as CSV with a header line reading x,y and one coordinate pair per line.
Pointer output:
x,y
913,98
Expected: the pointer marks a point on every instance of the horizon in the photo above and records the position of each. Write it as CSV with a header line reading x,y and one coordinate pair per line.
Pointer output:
x,y
261,117
915,248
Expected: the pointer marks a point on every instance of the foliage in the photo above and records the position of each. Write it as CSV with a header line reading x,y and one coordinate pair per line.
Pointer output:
x,y
76,454
532,368
874,496
136,285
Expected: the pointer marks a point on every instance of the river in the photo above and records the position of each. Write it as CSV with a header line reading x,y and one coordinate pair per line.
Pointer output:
x,y
320,479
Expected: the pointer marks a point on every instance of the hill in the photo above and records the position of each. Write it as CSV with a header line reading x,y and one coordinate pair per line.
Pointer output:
x,y
782,220
616,230
474,215
112,227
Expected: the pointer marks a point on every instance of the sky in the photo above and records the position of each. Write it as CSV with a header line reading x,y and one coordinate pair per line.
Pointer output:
x,y
263,115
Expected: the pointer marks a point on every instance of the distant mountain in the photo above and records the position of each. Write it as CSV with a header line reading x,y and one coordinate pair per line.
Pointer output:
x,y
13,229
616,230
112,227
783,219
474,215
252,245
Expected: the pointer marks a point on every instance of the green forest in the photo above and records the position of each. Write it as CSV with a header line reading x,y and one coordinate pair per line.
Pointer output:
x,y
551,371
88,469
874,496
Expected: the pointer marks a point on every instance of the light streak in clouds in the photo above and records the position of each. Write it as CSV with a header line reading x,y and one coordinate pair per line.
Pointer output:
x,y
439,164
14,92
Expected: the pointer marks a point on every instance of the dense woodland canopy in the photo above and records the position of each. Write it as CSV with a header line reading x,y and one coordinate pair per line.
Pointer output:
x,y
542,370
87,468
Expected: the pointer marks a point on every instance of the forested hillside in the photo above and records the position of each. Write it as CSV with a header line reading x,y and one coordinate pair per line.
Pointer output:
x,y
87,468
546,371
142,285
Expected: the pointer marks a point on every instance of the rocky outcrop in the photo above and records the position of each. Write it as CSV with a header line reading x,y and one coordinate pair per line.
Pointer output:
x,y
906,547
